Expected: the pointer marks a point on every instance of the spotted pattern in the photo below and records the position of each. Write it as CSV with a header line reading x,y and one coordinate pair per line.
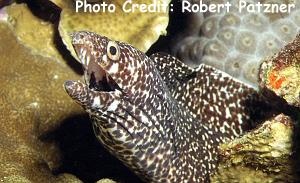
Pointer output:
x,y
210,95
166,120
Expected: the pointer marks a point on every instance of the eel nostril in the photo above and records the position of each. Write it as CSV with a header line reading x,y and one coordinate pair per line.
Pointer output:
x,y
78,37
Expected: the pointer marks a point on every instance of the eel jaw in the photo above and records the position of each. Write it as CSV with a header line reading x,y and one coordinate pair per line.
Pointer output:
x,y
95,77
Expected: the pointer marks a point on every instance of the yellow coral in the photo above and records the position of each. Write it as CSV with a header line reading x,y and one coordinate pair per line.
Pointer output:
x,y
32,32
261,154
61,3
32,103
138,29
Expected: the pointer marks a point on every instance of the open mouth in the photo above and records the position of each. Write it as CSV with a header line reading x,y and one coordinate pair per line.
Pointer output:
x,y
104,83
94,75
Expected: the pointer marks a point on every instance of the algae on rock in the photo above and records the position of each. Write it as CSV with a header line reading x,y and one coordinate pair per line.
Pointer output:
x,y
32,32
32,99
262,155
281,73
32,102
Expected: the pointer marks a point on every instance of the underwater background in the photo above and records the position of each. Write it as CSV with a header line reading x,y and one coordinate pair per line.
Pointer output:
x,y
46,137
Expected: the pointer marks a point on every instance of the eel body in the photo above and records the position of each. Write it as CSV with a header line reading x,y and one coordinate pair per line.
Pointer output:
x,y
161,118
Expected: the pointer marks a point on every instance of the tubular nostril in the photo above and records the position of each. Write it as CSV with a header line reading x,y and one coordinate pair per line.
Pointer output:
x,y
78,37
69,84
69,87
74,37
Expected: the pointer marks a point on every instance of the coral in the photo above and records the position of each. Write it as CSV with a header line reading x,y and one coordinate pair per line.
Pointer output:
x,y
36,44
32,103
31,32
281,73
62,3
138,29
5,2
105,181
249,37
262,155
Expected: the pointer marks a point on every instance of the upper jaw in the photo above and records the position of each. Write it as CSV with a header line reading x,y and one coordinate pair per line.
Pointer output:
x,y
95,77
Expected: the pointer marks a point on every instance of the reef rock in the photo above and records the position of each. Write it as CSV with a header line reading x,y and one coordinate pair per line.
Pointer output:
x,y
281,73
32,103
31,32
105,181
262,155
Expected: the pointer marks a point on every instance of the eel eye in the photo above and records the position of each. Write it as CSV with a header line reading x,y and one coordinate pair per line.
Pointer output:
x,y
113,50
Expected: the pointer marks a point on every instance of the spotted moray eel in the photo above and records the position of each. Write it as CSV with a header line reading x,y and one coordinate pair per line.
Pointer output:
x,y
161,118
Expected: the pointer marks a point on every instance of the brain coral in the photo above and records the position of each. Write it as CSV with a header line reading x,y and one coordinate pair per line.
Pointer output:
x,y
236,42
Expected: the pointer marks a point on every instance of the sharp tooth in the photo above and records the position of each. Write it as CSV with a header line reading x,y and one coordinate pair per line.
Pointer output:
x,y
87,77
107,78
83,54
87,60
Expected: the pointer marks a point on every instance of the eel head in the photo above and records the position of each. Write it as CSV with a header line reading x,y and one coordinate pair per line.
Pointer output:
x,y
111,70
123,94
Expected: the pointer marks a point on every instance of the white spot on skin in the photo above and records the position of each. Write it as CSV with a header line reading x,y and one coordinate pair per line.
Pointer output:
x,y
96,102
113,106
131,68
104,58
143,118
240,118
87,60
227,113
82,55
114,68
